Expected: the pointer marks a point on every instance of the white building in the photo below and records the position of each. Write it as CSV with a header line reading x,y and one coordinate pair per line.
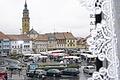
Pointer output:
x,y
20,44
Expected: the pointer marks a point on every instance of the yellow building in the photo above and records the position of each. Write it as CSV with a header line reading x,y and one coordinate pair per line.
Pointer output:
x,y
70,40
25,20
60,39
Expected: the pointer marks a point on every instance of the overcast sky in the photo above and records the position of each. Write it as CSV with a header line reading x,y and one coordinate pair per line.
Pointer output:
x,y
45,16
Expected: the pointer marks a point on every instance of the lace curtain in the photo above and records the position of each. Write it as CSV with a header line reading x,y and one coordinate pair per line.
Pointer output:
x,y
103,39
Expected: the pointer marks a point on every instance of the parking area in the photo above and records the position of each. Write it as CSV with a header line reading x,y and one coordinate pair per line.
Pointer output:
x,y
23,76
20,72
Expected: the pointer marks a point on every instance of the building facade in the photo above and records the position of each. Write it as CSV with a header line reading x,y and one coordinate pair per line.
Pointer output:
x,y
71,41
81,44
23,44
61,41
51,41
4,45
20,44
41,43
32,34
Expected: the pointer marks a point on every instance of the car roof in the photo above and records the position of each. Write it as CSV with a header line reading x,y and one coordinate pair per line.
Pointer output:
x,y
15,66
2,69
39,70
89,66
53,70
71,69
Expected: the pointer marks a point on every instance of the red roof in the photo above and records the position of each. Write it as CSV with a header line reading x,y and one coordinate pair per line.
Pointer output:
x,y
42,37
69,35
3,36
81,41
19,37
59,36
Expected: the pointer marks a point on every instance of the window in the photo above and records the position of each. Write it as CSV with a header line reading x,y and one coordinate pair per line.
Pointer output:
x,y
7,46
68,41
68,44
26,46
12,46
26,41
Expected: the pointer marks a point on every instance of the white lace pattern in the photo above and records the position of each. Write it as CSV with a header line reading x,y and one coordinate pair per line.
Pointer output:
x,y
103,39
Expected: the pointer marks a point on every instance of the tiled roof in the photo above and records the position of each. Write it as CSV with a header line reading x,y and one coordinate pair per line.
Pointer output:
x,y
69,35
81,41
88,36
19,37
59,36
42,37
3,36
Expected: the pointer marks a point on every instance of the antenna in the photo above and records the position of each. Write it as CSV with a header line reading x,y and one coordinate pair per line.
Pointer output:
x,y
69,28
54,28
25,1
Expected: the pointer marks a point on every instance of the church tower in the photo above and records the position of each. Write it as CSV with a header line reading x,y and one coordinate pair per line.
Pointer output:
x,y
25,20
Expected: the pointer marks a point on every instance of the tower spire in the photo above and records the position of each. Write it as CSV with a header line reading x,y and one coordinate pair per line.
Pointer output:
x,y
25,4
25,19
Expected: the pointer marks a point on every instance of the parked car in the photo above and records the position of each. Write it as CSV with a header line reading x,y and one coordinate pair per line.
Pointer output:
x,y
36,73
71,71
89,69
30,73
53,72
40,73
14,67
3,73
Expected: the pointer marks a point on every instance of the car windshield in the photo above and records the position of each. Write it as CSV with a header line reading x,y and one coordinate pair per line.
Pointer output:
x,y
31,71
14,66
33,66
